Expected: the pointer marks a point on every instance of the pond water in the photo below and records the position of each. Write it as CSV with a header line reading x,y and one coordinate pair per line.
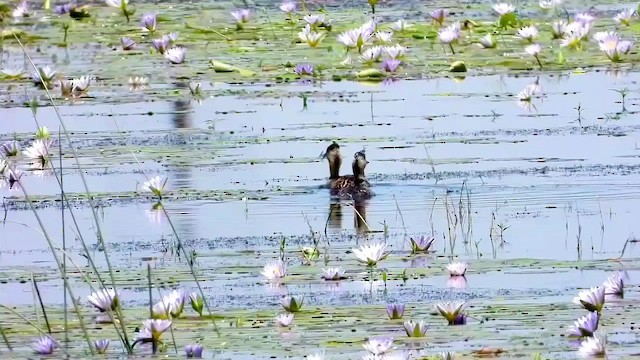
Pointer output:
x,y
540,199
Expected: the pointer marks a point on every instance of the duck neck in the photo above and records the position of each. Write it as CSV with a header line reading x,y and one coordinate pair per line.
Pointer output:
x,y
334,167
358,173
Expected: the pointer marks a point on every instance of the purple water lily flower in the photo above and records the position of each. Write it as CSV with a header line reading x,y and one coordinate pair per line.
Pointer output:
x,y
422,243
303,69
45,345
390,65
161,45
149,22
395,311
241,16
193,351
101,345
584,326
62,9
461,319
127,43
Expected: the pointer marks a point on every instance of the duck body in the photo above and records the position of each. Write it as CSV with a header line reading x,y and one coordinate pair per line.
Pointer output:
x,y
354,186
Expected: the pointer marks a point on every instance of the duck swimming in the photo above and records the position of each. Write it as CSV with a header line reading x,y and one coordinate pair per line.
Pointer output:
x,y
353,186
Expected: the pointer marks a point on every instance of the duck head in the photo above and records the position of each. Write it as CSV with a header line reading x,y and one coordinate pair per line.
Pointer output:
x,y
332,154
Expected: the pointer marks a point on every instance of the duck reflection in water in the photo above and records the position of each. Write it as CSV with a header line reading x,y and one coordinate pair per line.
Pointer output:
x,y
334,220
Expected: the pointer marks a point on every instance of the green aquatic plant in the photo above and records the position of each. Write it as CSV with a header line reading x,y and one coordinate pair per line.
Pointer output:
x,y
123,5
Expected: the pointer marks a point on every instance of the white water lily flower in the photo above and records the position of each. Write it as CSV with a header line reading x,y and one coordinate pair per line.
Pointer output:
x,y
105,299
333,273
355,38
43,74
394,52
448,355
558,29
614,285
549,4
117,3
378,345
415,329
66,86
383,36
17,71
312,38
155,327
457,268
288,7
317,356
625,16
450,309
155,185
276,270
533,49
22,10
39,152
593,346
372,54
176,54
503,8
371,254
526,94
488,42
585,18
528,33
591,299
314,20
401,25
284,320
81,84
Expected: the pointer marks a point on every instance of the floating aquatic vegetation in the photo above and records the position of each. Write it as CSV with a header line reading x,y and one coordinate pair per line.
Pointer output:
x,y
593,346
101,345
415,329
193,351
584,326
104,299
452,311
395,311
276,270
333,273
284,320
378,345
291,303
591,299
371,254
457,268
45,345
